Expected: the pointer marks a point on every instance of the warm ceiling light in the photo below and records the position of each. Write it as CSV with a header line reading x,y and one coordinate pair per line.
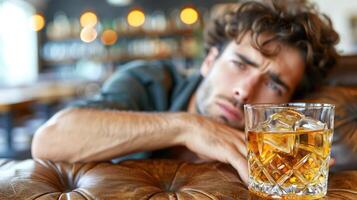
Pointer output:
x,y
109,37
136,18
88,34
189,16
37,22
88,19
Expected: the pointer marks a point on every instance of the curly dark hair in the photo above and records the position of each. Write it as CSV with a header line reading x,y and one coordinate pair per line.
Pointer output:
x,y
294,23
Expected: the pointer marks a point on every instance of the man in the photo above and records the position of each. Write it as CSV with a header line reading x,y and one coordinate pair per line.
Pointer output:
x,y
263,52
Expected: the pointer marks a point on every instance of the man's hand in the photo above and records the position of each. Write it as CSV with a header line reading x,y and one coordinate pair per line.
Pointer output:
x,y
213,140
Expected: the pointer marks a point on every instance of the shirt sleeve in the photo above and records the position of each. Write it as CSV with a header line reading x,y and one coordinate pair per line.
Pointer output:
x,y
137,86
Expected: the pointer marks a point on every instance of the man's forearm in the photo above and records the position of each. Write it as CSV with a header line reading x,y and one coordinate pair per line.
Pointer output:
x,y
93,135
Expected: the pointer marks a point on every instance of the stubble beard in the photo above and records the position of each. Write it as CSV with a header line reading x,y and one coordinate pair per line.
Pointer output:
x,y
202,104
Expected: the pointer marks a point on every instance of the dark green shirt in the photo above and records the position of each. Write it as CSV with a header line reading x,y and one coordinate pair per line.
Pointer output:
x,y
145,86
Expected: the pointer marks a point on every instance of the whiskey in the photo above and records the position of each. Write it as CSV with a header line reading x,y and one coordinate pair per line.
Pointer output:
x,y
293,164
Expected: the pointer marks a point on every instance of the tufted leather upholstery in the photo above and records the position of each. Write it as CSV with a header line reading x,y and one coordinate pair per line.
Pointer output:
x,y
145,179
163,179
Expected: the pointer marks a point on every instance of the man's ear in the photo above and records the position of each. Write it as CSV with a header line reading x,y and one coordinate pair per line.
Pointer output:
x,y
208,62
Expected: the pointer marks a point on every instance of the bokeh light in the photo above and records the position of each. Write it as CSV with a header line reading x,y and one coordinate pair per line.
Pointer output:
x,y
136,18
88,34
189,16
88,19
37,22
109,37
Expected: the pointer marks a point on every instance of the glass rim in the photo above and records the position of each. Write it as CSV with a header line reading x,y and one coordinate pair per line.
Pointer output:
x,y
291,105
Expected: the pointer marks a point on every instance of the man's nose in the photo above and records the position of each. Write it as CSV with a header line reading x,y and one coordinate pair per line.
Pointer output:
x,y
246,87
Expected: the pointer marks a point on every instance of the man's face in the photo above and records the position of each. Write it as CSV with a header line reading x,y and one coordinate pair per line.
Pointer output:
x,y
241,74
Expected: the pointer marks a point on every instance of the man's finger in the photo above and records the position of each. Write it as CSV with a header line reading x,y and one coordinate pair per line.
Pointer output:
x,y
238,161
241,147
332,162
238,139
241,135
237,133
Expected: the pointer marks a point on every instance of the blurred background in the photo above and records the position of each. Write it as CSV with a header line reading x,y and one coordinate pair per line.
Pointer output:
x,y
53,52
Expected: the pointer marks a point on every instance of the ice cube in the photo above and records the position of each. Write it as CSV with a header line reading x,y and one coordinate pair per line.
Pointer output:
x,y
279,125
308,123
316,139
281,142
281,121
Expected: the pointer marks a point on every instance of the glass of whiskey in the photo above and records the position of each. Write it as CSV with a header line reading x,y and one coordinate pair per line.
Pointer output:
x,y
289,149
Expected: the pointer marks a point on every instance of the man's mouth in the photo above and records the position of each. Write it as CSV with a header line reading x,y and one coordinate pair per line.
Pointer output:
x,y
231,113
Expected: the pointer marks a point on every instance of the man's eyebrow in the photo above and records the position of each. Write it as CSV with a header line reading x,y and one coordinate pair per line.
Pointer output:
x,y
275,77
246,60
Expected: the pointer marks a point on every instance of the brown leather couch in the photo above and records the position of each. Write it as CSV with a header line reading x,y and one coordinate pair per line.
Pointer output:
x,y
344,148
168,179
342,91
145,179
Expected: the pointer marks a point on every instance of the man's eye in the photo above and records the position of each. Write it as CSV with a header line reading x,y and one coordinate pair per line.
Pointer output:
x,y
240,65
274,86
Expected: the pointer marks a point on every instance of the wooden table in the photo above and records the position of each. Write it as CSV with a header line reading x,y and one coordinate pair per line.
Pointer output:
x,y
13,100
7,108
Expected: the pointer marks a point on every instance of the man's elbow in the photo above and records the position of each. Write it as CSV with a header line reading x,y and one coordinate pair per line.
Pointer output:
x,y
47,141
40,147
